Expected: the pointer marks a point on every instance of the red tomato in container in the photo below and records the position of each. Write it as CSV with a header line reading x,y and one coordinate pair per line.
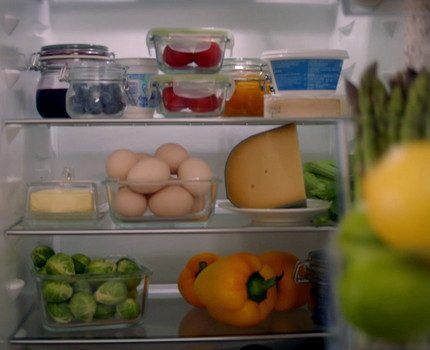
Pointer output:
x,y
210,57
173,102
203,104
177,59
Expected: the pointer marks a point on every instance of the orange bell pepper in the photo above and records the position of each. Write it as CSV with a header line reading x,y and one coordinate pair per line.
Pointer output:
x,y
188,275
238,290
290,294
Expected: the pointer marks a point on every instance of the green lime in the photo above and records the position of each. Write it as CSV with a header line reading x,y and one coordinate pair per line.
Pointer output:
x,y
386,295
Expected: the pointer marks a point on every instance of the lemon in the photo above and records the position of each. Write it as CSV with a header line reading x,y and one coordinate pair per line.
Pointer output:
x,y
397,197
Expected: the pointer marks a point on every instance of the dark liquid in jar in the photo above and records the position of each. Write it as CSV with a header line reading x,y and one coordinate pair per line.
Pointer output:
x,y
51,103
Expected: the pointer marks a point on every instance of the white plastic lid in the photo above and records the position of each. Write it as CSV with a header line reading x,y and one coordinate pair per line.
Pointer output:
x,y
308,54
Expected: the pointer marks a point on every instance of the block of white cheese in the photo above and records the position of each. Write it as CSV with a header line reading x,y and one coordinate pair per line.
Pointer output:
x,y
265,171
62,201
285,106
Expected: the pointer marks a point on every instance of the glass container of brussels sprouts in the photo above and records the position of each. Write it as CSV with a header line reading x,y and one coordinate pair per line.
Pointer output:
x,y
78,292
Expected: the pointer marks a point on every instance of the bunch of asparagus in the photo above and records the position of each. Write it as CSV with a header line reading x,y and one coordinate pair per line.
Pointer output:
x,y
385,117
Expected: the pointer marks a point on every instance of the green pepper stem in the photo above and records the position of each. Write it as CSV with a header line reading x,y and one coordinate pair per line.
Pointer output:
x,y
257,287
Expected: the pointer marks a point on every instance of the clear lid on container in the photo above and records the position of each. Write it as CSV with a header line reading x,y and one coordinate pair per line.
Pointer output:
x,y
190,39
57,54
195,85
137,62
96,71
244,64
306,54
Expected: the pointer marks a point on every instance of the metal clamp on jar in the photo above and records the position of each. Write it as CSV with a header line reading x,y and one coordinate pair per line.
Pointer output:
x,y
51,92
96,90
252,80
315,270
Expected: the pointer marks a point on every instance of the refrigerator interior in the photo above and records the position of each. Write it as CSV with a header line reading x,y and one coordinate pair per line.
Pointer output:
x,y
33,152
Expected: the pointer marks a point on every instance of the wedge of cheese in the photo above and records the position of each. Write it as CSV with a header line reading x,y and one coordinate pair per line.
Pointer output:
x,y
265,171
62,201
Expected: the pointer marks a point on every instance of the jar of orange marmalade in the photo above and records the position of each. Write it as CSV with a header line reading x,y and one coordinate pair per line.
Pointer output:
x,y
252,80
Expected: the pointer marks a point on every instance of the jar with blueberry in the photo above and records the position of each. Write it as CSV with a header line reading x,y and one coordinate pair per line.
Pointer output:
x,y
95,91
51,92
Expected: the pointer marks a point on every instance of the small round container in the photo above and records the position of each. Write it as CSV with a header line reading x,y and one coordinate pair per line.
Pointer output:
x,y
252,81
139,71
51,92
189,50
192,95
305,71
315,270
96,91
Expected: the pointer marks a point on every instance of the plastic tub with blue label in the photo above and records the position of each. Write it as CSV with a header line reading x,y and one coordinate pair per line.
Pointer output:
x,y
317,70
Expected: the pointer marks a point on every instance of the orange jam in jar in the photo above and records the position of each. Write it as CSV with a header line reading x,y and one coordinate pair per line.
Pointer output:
x,y
251,77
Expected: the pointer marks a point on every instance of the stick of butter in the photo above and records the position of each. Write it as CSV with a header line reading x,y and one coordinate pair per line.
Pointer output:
x,y
62,200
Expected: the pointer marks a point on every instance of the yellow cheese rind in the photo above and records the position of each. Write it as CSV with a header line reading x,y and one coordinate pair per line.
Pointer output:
x,y
61,201
265,171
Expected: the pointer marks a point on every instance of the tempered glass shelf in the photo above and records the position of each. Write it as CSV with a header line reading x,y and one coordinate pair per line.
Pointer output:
x,y
219,223
170,319
174,121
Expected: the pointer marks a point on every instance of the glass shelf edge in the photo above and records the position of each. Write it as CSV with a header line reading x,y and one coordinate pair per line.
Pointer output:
x,y
173,121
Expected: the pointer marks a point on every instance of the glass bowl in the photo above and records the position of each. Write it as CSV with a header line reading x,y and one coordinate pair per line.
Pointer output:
x,y
160,201
92,301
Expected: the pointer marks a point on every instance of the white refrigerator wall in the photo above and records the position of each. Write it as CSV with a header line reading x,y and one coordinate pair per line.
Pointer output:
x,y
31,153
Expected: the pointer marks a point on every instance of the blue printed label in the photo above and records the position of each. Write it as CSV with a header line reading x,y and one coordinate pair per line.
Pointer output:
x,y
307,74
138,89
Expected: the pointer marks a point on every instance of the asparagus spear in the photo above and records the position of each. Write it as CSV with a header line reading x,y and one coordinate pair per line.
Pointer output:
x,y
395,108
414,123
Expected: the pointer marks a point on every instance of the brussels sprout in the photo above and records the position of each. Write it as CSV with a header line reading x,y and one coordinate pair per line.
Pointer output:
x,y
126,265
111,293
83,306
60,264
80,261
82,286
42,271
41,254
101,266
128,309
56,291
104,312
60,312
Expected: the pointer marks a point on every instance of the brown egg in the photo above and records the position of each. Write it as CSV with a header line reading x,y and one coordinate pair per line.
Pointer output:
x,y
171,201
195,169
119,162
128,203
173,154
143,155
149,175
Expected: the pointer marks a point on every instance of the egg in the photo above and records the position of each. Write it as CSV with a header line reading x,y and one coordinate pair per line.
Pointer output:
x,y
143,155
171,201
195,169
128,203
119,162
173,154
149,175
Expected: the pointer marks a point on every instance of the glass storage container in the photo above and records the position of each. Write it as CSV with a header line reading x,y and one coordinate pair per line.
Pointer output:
x,y
159,201
95,300
315,270
96,91
190,95
66,199
252,81
189,50
51,92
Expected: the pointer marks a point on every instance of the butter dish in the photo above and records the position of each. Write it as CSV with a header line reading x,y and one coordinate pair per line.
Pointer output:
x,y
66,199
